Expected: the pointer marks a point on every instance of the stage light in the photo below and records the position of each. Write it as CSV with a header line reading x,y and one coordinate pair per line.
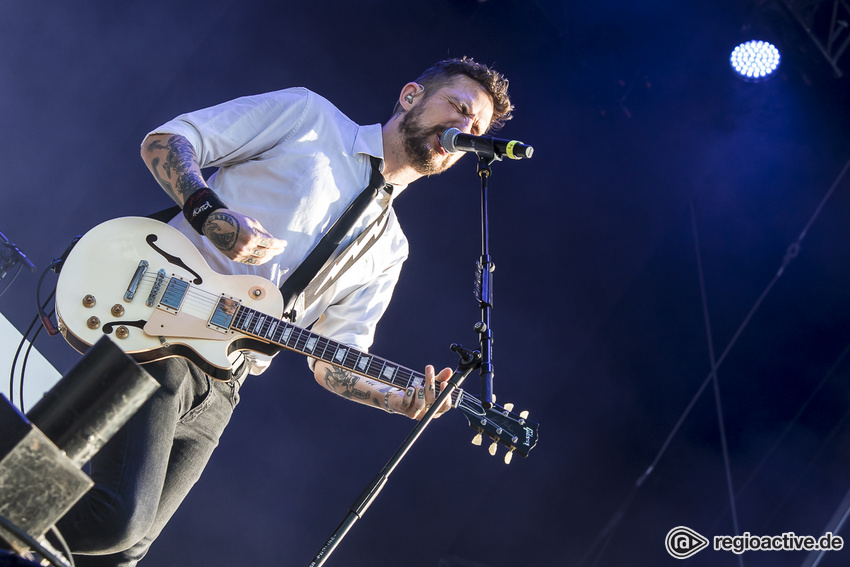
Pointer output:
x,y
755,60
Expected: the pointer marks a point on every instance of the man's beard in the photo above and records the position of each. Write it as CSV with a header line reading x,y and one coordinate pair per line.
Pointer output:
x,y
417,143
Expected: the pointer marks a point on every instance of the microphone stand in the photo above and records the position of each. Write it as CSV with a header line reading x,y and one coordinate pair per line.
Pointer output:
x,y
469,360
484,286
489,149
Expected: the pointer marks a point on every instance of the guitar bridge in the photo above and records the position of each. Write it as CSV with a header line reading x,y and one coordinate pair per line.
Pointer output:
x,y
157,284
135,281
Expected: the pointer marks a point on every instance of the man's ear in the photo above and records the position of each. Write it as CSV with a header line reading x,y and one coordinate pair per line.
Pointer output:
x,y
409,95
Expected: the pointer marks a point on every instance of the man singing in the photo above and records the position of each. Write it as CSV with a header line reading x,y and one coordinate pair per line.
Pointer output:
x,y
289,163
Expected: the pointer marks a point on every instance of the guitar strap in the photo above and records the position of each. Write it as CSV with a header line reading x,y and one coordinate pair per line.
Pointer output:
x,y
165,215
334,268
305,279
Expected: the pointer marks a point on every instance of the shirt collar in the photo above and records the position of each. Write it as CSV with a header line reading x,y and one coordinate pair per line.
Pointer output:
x,y
369,140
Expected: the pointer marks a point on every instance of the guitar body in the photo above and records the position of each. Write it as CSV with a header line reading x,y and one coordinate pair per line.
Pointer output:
x,y
140,254
145,285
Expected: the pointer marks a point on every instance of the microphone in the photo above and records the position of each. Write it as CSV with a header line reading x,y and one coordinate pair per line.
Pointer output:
x,y
16,254
22,257
454,140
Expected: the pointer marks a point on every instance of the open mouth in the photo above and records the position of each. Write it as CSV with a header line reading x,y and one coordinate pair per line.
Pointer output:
x,y
439,146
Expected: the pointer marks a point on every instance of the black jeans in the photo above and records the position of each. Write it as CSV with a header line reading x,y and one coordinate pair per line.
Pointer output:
x,y
146,470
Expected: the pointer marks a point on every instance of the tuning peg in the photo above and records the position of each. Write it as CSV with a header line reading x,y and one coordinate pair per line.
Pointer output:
x,y
524,414
493,448
508,407
508,456
477,439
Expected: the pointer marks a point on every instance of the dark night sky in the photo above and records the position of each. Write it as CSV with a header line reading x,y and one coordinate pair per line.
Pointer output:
x,y
656,172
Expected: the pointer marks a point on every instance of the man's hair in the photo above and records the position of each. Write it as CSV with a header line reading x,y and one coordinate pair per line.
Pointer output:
x,y
444,72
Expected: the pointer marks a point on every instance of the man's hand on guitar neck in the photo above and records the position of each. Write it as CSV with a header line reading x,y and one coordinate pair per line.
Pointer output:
x,y
241,238
413,402
418,399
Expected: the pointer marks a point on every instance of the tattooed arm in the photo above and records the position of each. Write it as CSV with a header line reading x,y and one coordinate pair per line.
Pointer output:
x,y
174,164
413,402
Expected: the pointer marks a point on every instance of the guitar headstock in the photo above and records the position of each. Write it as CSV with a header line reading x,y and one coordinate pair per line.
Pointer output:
x,y
514,431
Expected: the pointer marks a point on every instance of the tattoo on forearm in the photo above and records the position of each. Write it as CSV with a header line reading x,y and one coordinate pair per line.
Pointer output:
x,y
159,179
177,177
344,383
222,229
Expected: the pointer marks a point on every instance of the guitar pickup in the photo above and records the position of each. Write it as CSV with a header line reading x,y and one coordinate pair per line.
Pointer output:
x,y
173,296
222,317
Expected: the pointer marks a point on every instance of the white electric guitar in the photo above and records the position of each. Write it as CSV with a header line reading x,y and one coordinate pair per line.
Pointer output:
x,y
145,284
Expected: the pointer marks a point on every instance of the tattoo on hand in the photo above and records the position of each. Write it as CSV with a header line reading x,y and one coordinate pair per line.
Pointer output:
x,y
383,389
344,383
223,230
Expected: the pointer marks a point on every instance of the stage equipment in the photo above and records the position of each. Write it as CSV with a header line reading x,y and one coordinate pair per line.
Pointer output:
x,y
825,23
484,270
11,256
755,60
453,140
488,150
469,360
41,455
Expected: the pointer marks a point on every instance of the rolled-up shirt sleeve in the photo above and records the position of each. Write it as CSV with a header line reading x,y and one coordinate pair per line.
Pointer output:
x,y
241,129
293,162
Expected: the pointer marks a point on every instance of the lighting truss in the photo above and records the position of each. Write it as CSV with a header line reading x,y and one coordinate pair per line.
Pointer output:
x,y
827,23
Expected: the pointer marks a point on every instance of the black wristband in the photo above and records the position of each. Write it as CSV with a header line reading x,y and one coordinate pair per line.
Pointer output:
x,y
200,205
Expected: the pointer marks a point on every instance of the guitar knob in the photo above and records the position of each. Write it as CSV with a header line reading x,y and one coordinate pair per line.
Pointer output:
x,y
509,407
508,456
477,439
493,448
524,414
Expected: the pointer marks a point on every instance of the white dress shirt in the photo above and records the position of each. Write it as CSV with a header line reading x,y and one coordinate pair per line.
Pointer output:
x,y
294,162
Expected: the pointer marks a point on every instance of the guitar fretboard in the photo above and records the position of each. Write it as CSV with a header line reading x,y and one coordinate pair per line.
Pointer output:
x,y
286,335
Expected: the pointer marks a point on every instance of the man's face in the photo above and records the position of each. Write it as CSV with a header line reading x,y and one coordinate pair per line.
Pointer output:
x,y
463,104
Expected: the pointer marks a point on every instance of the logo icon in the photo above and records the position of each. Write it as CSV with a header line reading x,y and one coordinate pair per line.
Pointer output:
x,y
683,542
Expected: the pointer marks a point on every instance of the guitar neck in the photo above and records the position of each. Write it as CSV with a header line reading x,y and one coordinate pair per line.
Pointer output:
x,y
291,337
